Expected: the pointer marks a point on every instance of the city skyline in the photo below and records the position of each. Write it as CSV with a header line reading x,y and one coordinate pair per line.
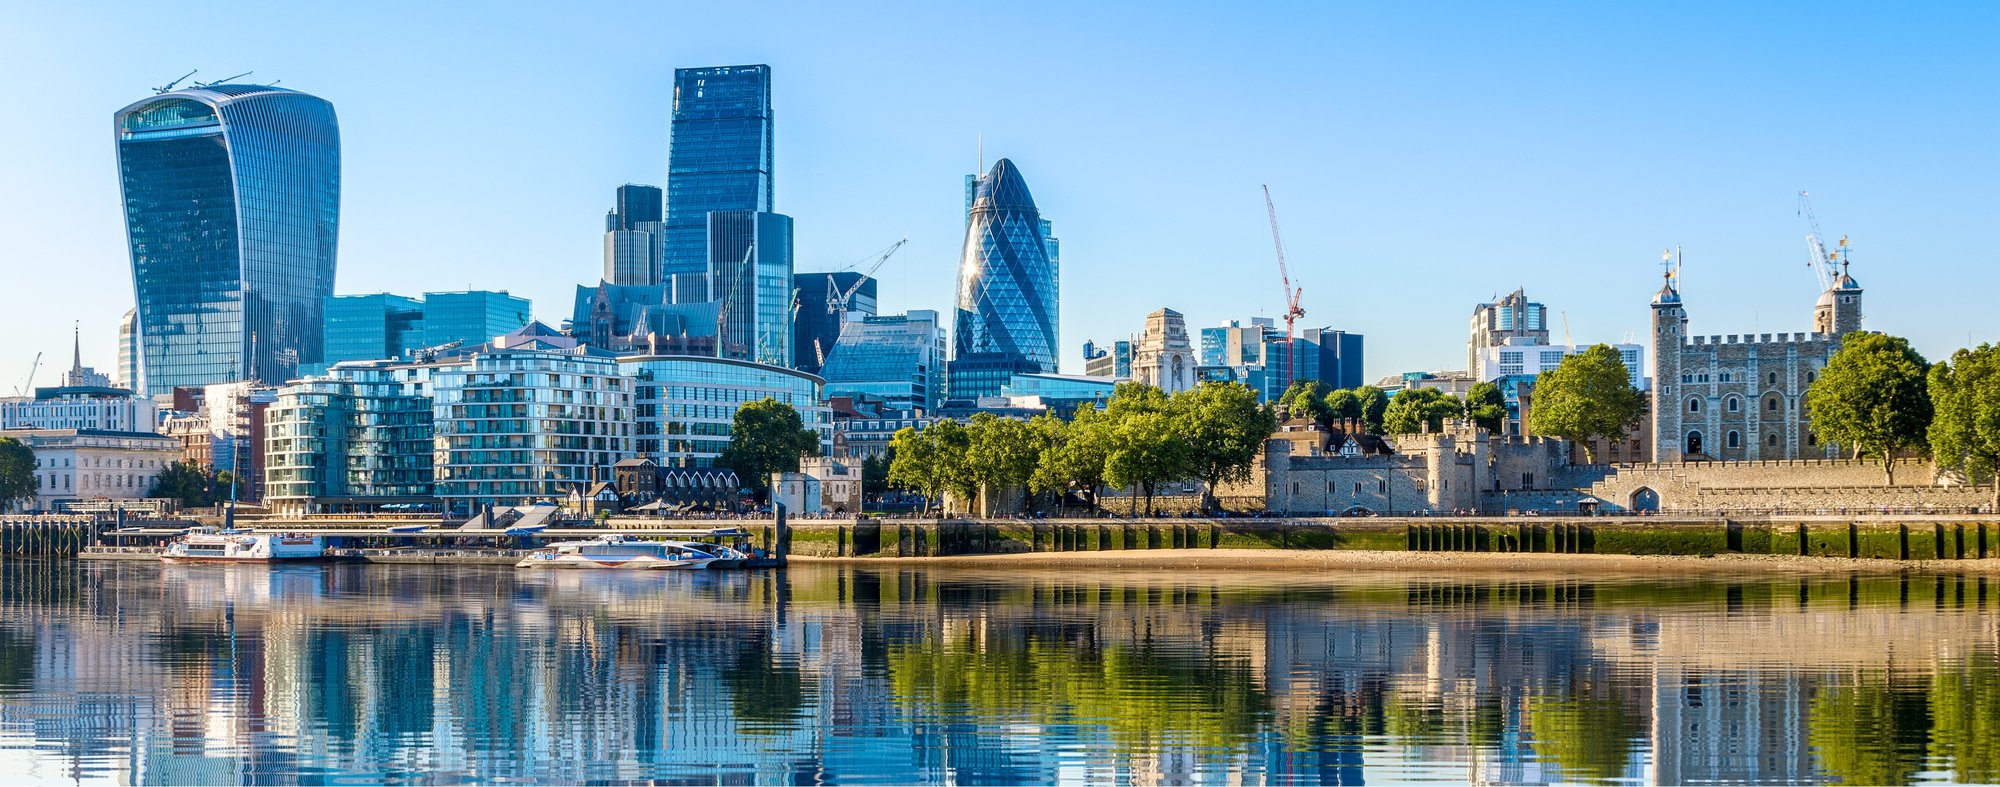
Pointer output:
x,y
1399,220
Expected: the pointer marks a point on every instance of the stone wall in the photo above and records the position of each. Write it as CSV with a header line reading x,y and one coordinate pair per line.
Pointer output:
x,y
1832,485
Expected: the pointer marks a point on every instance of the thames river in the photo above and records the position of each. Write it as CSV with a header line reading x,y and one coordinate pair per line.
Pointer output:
x,y
146,674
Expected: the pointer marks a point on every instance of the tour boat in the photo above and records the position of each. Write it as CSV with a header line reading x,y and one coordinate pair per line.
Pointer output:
x,y
208,545
619,552
725,557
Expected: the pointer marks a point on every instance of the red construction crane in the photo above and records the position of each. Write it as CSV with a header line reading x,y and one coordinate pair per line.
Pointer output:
x,y
1292,309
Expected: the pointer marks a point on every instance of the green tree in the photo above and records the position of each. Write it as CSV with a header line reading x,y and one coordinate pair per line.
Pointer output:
x,y
913,463
952,442
1965,427
1374,406
1872,397
1224,428
1077,453
17,472
1588,396
1001,452
767,436
1344,406
1306,399
1145,447
191,486
875,475
1487,407
1420,409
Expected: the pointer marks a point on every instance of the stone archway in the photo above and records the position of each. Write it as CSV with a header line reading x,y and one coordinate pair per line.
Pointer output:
x,y
1645,499
1694,445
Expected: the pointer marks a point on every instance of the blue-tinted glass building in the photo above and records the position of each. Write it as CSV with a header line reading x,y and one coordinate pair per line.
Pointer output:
x,y
718,156
473,316
232,213
372,327
897,358
750,273
816,325
1005,323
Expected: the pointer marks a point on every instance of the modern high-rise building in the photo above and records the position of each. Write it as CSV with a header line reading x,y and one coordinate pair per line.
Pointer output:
x,y
1005,322
718,156
635,238
1510,320
129,374
383,326
355,438
817,323
1114,362
232,212
896,358
750,271
1259,355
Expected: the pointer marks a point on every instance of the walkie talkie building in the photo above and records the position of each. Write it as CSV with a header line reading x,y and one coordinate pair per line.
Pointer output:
x,y
232,213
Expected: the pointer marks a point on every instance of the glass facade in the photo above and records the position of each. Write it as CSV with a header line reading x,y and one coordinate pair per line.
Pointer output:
x,y
232,206
718,156
897,358
687,404
750,270
372,327
472,316
1006,316
518,426
816,323
361,430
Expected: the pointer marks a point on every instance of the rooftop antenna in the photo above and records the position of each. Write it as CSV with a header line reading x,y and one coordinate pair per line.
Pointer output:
x,y
982,153
169,87
224,80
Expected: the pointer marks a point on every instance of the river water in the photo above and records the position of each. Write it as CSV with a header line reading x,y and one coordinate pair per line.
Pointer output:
x,y
149,674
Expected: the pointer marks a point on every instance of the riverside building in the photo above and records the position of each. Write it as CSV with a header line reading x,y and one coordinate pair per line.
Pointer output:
x,y
354,439
94,467
686,405
231,196
526,418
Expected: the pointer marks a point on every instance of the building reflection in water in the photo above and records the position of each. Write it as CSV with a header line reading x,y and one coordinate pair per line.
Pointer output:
x,y
139,673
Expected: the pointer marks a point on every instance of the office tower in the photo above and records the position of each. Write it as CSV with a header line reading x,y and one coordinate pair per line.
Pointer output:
x,y
1005,322
1331,357
1511,320
817,325
718,156
472,316
129,375
1164,358
1114,362
750,270
232,212
634,238
897,359
372,327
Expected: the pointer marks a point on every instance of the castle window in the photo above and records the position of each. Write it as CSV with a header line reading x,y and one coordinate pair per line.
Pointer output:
x,y
1724,377
1773,377
1735,439
1357,487
1812,439
1809,378
1771,405
1382,486
1735,404
1771,441
1329,487
1694,405
1528,480
1295,487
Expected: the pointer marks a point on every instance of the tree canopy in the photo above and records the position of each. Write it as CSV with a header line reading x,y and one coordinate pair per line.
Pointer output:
x,y
1420,409
1588,396
17,471
1306,399
1374,407
1343,405
767,436
1873,398
1001,452
1225,428
1487,407
1965,423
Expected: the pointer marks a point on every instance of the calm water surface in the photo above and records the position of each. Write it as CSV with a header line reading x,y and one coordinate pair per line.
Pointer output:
x,y
148,674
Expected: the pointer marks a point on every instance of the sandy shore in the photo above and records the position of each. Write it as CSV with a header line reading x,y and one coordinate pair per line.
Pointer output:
x,y
1454,562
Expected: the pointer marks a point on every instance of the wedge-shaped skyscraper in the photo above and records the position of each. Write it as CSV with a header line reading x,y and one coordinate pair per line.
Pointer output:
x,y
1006,318
232,211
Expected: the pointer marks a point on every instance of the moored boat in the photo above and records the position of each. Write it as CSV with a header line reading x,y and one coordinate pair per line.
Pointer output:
x,y
208,545
618,552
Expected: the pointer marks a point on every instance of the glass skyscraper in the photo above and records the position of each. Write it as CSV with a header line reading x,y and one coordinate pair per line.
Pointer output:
x,y
750,273
1006,317
718,156
232,212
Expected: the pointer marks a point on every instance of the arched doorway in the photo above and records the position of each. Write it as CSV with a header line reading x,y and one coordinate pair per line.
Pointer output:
x,y
1693,444
1645,499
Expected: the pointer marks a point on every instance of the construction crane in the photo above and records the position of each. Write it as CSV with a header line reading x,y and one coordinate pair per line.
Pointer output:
x,y
722,311
836,298
1292,310
1826,264
29,387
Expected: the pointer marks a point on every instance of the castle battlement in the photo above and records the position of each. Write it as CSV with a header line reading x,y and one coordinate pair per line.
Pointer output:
x,y
1753,338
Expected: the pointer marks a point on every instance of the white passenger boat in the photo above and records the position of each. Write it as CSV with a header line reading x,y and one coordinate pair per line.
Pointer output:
x,y
208,545
618,552
725,556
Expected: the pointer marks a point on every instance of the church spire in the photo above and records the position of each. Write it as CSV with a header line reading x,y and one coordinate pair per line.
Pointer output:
x,y
76,359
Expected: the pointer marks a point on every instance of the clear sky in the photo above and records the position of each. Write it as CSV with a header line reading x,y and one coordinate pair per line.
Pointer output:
x,y
1424,157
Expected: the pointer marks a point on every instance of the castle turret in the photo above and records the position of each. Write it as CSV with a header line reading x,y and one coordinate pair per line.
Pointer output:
x,y
1669,332
1838,312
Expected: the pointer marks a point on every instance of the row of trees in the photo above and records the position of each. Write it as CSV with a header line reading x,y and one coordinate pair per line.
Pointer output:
x,y
1142,438
1367,408
1879,397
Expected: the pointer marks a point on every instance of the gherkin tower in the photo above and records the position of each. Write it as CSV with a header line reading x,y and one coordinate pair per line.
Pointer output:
x,y
1006,317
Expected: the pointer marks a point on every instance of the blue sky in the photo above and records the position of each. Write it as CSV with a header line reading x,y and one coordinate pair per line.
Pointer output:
x,y
1423,157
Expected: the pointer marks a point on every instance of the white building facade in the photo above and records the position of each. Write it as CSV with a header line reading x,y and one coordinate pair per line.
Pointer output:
x,y
87,465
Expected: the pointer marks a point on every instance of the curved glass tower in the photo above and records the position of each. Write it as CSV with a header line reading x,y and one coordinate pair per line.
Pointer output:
x,y
1006,320
232,210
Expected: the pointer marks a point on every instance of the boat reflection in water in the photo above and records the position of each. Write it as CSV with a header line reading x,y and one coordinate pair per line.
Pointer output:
x,y
128,672
626,553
